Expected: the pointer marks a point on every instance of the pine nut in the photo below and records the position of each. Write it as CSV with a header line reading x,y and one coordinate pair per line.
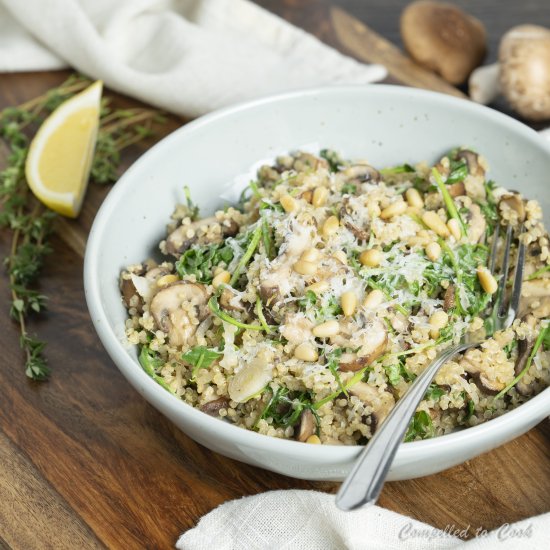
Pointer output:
x,y
221,278
340,255
310,255
433,251
454,228
304,267
374,209
394,209
348,301
371,257
288,203
167,279
414,198
439,319
313,439
320,196
326,329
307,196
486,279
373,299
306,352
319,287
435,223
330,226
218,270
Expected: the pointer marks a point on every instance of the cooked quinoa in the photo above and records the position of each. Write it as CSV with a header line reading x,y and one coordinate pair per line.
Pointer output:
x,y
307,310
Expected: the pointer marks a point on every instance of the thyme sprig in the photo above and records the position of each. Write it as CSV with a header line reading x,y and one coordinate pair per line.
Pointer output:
x,y
29,223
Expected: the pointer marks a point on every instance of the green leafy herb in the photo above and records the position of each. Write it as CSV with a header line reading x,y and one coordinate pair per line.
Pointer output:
x,y
333,363
448,200
539,272
470,410
458,172
28,222
421,426
255,237
151,363
200,357
348,189
285,407
202,260
334,160
433,393
215,309
401,169
191,206
308,300
543,337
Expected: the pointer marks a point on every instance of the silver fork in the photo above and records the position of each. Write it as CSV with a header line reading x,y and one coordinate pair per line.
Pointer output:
x,y
365,481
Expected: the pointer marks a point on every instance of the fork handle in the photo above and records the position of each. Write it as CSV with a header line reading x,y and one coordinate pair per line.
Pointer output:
x,y
366,479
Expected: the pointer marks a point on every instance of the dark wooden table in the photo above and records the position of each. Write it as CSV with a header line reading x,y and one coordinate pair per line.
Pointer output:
x,y
87,463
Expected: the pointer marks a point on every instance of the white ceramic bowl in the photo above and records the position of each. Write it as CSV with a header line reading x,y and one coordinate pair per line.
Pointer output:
x,y
388,125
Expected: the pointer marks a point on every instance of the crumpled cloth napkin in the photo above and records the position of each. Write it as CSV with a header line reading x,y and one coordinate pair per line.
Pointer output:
x,y
185,56
309,520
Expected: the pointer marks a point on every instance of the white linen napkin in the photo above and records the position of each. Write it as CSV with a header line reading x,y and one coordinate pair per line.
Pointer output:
x,y
309,520
185,56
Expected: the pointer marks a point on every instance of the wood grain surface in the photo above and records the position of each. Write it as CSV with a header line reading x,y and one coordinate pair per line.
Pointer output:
x,y
87,463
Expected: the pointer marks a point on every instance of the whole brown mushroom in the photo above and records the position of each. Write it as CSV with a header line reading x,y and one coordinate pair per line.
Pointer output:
x,y
443,38
522,74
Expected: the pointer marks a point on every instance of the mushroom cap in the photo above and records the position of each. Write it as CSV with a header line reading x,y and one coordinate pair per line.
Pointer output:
x,y
524,56
443,38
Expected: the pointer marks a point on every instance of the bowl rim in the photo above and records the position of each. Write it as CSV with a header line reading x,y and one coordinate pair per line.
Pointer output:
x,y
535,408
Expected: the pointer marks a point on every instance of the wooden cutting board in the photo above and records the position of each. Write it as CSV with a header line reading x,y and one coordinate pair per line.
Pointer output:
x,y
87,463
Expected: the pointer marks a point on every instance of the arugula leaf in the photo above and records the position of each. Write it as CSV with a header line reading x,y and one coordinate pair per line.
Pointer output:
x,y
151,363
309,299
458,172
191,206
421,426
401,169
285,407
333,158
202,260
471,409
434,392
200,357
333,362
348,189
448,200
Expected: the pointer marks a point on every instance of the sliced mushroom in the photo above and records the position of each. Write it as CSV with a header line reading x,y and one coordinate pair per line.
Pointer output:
x,y
525,347
381,403
373,346
513,202
449,298
472,161
361,234
252,377
213,407
171,317
305,427
476,224
156,273
361,173
129,291
185,236
457,189
480,378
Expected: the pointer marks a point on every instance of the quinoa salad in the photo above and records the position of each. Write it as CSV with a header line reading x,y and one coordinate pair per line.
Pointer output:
x,y
308,309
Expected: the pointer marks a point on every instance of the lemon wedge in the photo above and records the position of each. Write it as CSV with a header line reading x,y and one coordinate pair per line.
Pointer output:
x,y
60,155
